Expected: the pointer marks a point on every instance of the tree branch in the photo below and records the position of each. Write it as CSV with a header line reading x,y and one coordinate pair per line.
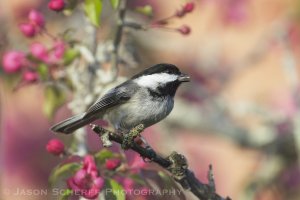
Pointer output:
x,y
118,37
175,163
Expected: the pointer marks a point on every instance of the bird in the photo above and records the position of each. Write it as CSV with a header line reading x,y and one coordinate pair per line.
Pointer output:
x,y
146,98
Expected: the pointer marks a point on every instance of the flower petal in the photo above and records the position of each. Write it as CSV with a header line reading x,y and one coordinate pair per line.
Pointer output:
x,y
80,176
99,182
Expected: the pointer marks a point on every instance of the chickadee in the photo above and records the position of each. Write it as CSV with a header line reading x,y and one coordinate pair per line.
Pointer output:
x,y
146,98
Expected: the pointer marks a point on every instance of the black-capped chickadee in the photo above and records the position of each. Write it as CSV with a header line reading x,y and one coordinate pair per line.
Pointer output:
x,y
146,98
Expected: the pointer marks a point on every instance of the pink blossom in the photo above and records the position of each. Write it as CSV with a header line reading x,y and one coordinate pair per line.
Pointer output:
x,y
36,22
89,164
36,18
56,5
188,7
59,49
13,61
128,184
28,29
39,51
30,76
184,30
112,164
55,147
86,181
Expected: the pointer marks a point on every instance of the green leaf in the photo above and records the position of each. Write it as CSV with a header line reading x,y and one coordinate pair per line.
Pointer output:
x,y
93,9
145,10
42,70
115,3
114,191
54,98
63,171
102,155
70,55
66,194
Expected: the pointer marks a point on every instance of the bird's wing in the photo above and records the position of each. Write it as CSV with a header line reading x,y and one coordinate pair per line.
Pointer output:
x,y
112,98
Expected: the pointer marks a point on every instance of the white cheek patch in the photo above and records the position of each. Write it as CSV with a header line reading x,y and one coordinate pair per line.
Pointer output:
x,y
154,80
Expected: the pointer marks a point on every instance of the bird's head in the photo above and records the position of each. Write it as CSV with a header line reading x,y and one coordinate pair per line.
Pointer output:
x,y
163,79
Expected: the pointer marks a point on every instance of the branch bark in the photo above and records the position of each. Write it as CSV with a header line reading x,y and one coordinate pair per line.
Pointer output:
x,y
175,163
117,38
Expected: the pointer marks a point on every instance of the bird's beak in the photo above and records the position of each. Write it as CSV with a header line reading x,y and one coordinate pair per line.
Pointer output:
x,y
184,78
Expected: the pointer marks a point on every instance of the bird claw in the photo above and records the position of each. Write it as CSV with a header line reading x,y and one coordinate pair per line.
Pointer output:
x,y
128,139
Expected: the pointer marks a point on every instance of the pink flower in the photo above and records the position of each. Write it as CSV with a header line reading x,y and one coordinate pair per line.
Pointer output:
x,y
86,181
56,5
59,49
128,184
39,51
89,164
112,164
30,76
36,18
188,7
184,30
28,29
13,61
36,22
55,147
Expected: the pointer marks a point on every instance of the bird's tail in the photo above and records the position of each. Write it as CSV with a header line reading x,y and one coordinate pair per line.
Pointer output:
x,y
71,124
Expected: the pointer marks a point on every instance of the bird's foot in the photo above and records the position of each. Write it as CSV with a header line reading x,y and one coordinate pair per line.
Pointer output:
x,y
128,139
178,168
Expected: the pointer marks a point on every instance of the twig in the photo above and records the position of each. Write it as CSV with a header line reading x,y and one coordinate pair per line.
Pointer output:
x,y
80,136
211,179
117,38
176,164
92,64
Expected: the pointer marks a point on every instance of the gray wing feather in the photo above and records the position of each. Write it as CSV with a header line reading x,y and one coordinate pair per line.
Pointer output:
x,y
112,98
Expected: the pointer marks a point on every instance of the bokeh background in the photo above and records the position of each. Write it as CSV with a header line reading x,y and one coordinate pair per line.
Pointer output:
x,y
240,113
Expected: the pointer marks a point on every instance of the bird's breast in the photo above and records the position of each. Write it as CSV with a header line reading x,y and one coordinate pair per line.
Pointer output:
x,y
140,110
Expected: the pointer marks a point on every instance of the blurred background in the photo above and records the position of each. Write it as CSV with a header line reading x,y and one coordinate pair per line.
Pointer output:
x,y
239,113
